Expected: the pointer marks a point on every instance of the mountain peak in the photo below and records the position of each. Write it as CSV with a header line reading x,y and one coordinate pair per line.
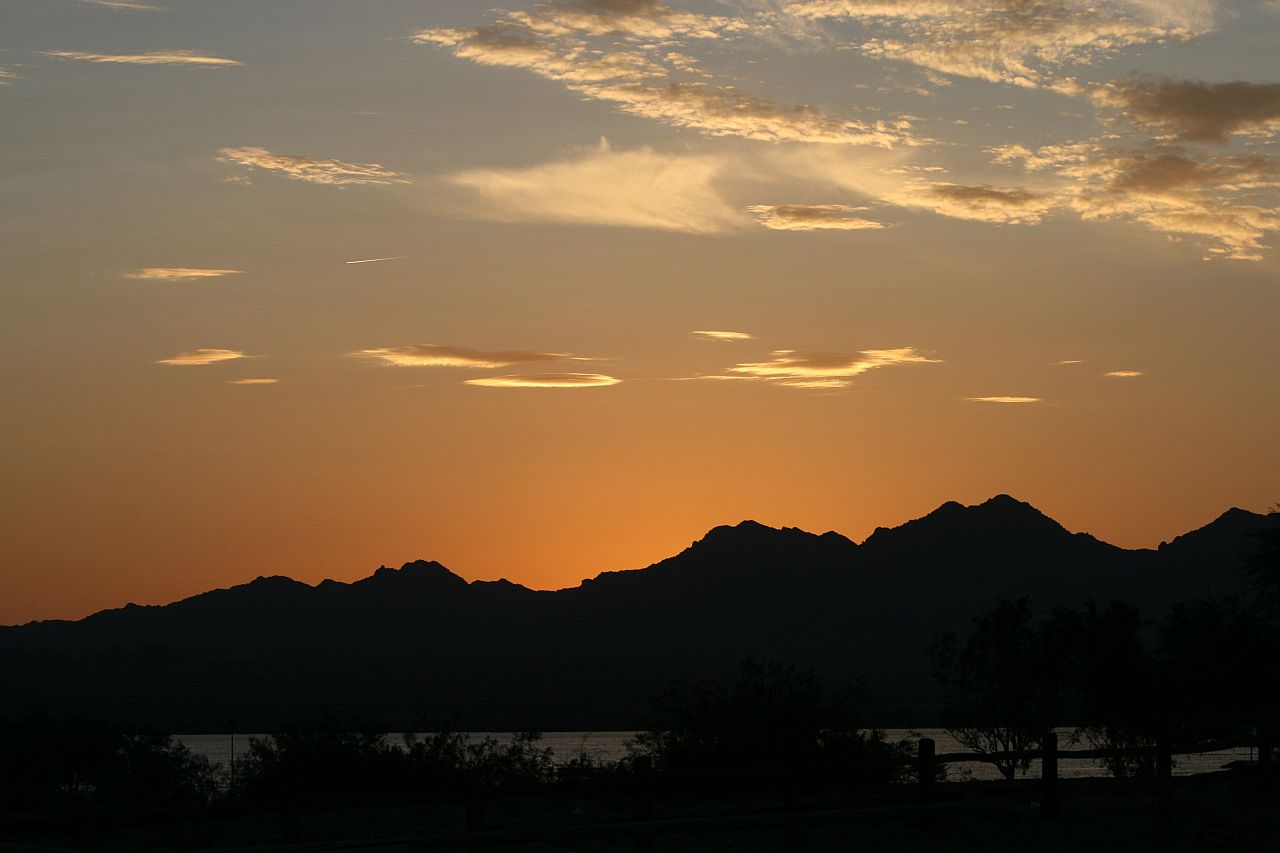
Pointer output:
x,y
417,573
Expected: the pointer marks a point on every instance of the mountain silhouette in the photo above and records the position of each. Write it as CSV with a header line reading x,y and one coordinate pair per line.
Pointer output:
x,y
406,646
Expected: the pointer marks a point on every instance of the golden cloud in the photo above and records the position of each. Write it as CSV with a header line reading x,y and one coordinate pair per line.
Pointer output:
x,y
1124,374
160,57
253,381
826,370
981,203
813,217
1194,110
546,380
303,168
1021,42
1222,198
177,274
1009,400
715,335
636,189
202,356
438,355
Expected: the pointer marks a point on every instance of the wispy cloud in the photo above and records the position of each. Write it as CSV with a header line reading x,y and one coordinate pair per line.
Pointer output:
x,y
619,51
1124,374
1066,361
439,355
1009,400
546,380
178,274
303,168
1196,111
723,111
1022,42
7,74
813,217
376,260
826,370
159,57
202,356
715,335
640,188
982,203
1222,199
253,381
125,5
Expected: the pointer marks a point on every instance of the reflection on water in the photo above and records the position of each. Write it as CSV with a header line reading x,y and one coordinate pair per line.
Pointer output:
x,y
610,746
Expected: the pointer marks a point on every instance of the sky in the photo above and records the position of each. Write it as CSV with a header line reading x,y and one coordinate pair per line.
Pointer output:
x,y
539,290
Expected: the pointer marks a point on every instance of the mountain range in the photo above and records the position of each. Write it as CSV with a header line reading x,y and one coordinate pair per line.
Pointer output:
x,y
414,646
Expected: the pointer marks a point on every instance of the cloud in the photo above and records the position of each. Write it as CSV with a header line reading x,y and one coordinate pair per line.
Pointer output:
x,y
303,168
438,355
1021,42
640,188
377,260
637,19
1009,400
1196,111
546,380
177,274
826,370
512,45
202,356
722,336
127,5
1223,199
7,74
723,111
253,381
1124,374
981,203
1067,361
641,75
812,217
160,57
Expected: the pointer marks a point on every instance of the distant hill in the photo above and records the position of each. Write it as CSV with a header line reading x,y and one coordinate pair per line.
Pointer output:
x,y
419,644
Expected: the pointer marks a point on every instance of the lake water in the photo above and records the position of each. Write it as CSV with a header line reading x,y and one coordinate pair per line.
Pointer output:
x,y
608,746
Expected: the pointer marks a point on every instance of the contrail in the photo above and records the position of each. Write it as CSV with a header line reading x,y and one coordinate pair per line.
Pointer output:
x,y
375,260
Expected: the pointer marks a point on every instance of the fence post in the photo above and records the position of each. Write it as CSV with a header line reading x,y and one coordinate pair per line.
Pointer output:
x,y
1164,794
642,799
926,749
1049,774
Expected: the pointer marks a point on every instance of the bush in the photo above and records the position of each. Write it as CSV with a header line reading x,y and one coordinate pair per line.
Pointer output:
x,y
773,716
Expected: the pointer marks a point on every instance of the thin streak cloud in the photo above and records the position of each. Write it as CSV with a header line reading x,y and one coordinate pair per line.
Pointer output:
x,y
438,355
827,370
160,57
178,274
1124,374
125,5
204,355
1008,400
263,381
813,217
546,380
716,335
303,168
377,260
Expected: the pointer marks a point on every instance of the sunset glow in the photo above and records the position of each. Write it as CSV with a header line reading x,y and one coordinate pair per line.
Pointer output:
x,y
543,289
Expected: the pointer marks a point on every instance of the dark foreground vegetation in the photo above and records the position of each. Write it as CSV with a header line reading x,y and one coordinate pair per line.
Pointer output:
x,y
774,750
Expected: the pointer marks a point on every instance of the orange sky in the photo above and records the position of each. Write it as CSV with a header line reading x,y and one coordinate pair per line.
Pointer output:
x,y
302,294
